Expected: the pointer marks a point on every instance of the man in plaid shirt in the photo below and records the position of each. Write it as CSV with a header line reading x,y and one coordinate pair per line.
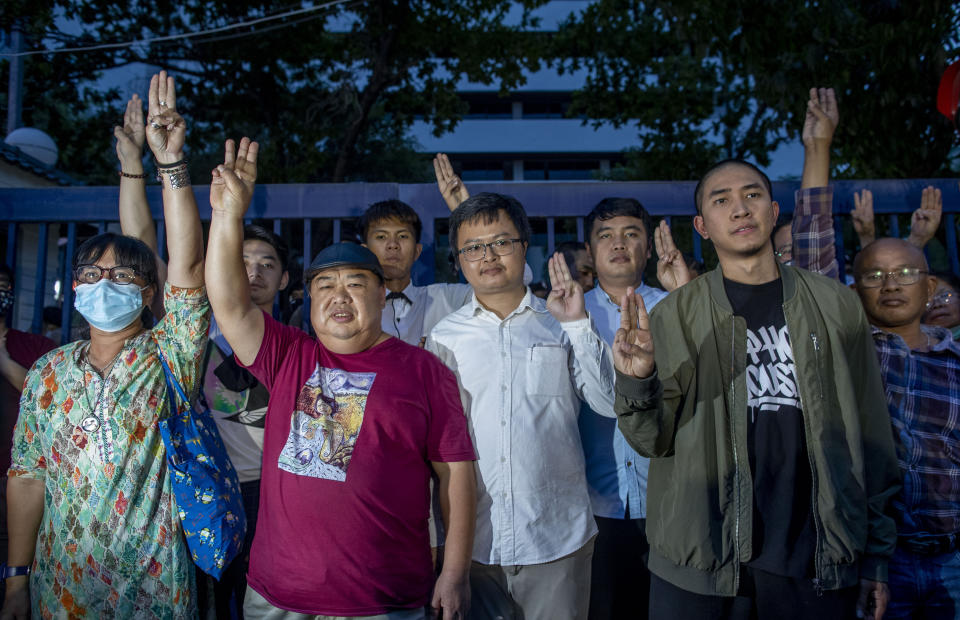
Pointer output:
x,y
921,373
920,365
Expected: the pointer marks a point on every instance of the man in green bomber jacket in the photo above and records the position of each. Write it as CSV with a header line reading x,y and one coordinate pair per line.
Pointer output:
x,y
764,408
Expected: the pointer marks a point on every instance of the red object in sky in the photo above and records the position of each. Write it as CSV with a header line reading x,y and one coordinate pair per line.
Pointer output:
x,y
949,92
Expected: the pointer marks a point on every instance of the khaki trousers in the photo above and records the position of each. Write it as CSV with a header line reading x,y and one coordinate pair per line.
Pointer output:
x,y
557,590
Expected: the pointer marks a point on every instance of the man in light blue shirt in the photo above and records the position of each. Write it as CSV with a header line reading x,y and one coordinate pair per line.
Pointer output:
x,y
620,234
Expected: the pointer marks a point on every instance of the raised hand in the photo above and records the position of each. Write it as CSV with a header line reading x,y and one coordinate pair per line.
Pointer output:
x,y
565,301
862,217
822,117
926,219
672,269
231,188
633,343
166,130
451,187
131,136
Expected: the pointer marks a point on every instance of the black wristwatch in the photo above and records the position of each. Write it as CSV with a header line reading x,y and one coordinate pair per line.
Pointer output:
x,y
13,571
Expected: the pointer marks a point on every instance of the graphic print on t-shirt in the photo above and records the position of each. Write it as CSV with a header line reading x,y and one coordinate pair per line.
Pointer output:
x,y
245,406
325,423
770,371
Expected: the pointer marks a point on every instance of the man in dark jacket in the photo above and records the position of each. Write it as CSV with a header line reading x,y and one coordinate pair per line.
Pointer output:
x,y
764,407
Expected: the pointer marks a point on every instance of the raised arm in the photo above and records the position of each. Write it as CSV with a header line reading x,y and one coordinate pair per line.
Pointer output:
x,y
926,219
649,391
672,271
135,218
862,217
818,129
811,231
166,134
451,187
227,285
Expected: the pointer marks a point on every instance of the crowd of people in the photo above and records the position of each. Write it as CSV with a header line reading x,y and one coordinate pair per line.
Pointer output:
x,y
757,441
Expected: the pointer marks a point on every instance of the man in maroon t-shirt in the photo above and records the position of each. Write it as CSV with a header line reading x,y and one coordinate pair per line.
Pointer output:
x,y
18,351
356,421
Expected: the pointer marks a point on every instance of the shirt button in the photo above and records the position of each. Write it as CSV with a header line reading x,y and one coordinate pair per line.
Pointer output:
x,y
503,422
503,459
629,463
503,387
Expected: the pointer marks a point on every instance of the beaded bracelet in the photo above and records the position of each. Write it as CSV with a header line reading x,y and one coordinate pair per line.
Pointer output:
x,y
127,175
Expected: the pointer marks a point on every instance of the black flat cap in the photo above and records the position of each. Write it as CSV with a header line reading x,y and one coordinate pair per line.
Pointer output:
x,y
344,254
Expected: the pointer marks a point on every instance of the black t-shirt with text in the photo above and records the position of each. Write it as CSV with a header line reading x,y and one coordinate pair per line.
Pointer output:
x,y
783,531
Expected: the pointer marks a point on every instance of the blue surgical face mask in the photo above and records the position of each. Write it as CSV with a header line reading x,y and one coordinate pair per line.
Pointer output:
x,y
108,306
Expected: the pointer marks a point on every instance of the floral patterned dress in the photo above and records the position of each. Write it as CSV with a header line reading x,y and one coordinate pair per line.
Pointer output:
x,y
110,543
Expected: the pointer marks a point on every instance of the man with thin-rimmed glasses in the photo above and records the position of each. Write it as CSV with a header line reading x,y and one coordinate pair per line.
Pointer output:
x,y
920,365
523,366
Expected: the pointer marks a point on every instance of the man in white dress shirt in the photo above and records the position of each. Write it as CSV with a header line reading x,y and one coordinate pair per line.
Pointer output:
x,y
620,237
523,366
391,230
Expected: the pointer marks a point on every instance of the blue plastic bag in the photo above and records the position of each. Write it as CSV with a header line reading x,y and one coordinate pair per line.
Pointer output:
x,y
205,484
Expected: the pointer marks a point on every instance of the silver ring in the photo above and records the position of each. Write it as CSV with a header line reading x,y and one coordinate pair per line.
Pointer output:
x,y
163,103
155,124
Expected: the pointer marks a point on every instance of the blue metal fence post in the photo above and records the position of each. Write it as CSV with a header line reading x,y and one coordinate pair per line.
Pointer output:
x,y
307,259
551,233
12,245
838,242
952,250
41,279
66,280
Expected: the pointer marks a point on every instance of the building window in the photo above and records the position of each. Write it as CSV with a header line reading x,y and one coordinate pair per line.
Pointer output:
x,y
559,169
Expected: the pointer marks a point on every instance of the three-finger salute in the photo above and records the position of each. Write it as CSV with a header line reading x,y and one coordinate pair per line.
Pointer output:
x,y
633,344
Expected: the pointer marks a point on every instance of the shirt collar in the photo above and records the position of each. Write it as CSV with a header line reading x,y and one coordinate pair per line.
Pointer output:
x,y
411,291
529,301
643,289
940,338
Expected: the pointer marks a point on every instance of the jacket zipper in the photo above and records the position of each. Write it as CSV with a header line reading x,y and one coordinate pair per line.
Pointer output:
x,y
816,349
736,461
817,581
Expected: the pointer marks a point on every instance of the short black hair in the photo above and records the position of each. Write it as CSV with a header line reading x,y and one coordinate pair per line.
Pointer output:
x,y
390,209
486,207
259,233
5,270
127,251
569,251
609,208
698,192
949,278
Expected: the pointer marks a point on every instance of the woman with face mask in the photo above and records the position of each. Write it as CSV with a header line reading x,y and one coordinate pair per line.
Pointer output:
x,y
94,530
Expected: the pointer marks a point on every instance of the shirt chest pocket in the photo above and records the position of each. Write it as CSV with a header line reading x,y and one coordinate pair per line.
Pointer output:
x,y
547,371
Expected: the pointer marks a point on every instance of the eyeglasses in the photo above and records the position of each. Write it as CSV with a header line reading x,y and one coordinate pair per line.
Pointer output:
x,y
903,277
91,274
944,298
477,251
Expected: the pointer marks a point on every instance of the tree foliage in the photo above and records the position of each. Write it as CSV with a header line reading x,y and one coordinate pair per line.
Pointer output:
x,y
703,80
329,94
